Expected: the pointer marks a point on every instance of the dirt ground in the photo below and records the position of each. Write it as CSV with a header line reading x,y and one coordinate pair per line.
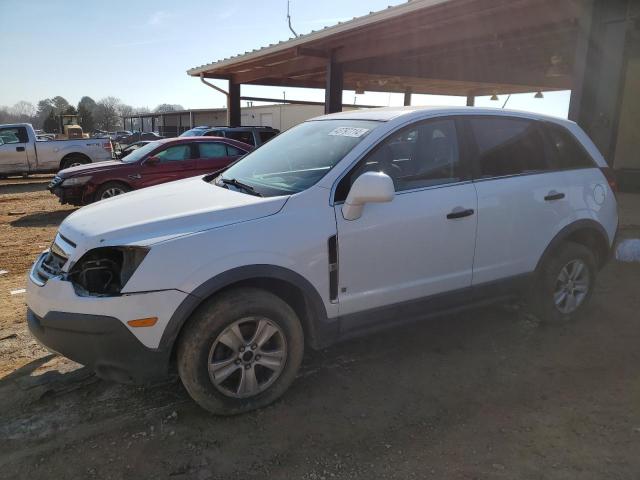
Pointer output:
x,y
485,394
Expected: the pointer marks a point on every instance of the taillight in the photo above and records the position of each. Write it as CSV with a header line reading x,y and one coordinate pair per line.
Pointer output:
x,y
610,175
107,146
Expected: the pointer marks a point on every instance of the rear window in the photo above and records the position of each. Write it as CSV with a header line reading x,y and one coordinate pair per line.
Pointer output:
x,y
507,146
567,151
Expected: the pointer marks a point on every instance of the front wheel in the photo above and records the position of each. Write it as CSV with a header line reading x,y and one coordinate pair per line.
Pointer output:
x,y
564,284
240,351
111,189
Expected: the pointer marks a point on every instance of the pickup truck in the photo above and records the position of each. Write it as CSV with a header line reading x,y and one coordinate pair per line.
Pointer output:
x,y
22,152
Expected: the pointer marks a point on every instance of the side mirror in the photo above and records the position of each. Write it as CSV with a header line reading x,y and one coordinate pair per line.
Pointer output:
x,y
370,187
151,161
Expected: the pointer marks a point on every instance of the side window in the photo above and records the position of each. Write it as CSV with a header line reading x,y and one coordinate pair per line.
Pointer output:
x,y
567,151
212,150
242,136
214,133
423,155
508,146
175,154
14,135
234,151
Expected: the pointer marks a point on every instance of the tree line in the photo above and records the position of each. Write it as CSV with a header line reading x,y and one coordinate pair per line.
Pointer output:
x,y
105,114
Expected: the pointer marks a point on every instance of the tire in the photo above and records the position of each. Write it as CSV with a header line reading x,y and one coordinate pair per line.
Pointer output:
x,y
110,189
572,268
74,161
204,342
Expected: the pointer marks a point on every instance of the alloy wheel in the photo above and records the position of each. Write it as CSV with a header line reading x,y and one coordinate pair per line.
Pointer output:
x,y
247,357
572,286
111,192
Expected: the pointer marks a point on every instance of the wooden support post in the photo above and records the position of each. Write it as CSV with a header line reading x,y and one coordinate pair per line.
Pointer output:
x,y
407,97
234,118
333,87
599,72
471,100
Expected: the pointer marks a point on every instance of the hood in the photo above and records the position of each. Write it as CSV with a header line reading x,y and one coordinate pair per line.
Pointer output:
x,y
90,168
154,214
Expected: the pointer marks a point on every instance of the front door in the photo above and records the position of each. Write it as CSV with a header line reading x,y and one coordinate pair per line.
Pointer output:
x,y
422,242
175,162
13,150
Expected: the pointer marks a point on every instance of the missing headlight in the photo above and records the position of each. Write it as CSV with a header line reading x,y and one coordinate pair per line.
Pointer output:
x,y
106,270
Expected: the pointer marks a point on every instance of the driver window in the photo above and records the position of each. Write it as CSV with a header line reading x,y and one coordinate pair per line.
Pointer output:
x,y
175,154
422,155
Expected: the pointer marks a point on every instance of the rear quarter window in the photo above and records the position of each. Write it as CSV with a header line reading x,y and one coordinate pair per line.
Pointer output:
x,y
567,152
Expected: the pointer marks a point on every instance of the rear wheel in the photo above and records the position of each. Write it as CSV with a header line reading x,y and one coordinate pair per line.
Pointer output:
x,y
565,283
111,189
74,161
240,351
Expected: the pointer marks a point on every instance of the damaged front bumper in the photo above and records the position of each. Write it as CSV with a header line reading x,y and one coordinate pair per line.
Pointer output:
x,y
93,330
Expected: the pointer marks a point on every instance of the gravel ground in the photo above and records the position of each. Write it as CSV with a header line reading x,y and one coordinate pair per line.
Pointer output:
x,y
486,394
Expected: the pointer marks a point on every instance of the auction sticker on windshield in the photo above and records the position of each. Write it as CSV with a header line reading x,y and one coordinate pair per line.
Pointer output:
x,y
349,131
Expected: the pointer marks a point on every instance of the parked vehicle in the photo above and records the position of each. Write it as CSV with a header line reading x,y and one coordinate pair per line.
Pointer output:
x,y
343,224
138,136
123,152
23,153
255,136
154,163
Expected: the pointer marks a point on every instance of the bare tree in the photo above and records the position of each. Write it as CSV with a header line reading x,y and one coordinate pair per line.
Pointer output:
x,y
22,109
107,113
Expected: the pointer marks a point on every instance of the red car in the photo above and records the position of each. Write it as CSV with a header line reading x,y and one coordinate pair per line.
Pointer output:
x,y
156,162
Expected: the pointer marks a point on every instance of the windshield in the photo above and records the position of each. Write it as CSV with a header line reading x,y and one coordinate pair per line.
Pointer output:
x,y
194,132
299,157
140,153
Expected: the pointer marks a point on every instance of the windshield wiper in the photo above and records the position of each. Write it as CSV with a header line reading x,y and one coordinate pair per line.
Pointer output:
x,y
242,186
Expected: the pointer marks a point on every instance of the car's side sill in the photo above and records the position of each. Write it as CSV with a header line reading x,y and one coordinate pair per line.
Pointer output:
x,y
376,319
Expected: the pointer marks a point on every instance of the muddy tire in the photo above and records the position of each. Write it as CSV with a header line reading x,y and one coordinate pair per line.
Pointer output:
x,y
110,189
564,284
74,161
240,351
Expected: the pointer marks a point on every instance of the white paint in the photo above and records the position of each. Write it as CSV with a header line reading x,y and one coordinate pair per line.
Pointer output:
x,y
17,292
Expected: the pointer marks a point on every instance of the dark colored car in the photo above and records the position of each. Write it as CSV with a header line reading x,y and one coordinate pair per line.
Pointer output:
x,y
139,136
152,164
255,136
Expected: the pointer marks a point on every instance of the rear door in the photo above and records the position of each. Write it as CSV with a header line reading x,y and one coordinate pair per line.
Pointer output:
x,y
175,162
521,198
13,150
214,156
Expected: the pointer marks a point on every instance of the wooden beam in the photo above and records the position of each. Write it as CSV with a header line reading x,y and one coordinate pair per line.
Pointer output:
x,y
296,66
508,18
311,52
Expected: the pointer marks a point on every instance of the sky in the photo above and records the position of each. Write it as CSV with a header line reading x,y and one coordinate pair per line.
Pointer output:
x,y
140,50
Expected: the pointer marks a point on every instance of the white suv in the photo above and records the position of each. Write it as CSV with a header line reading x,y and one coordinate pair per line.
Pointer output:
x,y
344,224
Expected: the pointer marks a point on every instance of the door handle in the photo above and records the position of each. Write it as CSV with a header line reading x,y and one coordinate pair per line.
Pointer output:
x,y
460,213
553,195
19,149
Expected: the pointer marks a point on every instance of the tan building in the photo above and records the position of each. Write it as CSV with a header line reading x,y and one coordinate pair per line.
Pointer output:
x,y
282,117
